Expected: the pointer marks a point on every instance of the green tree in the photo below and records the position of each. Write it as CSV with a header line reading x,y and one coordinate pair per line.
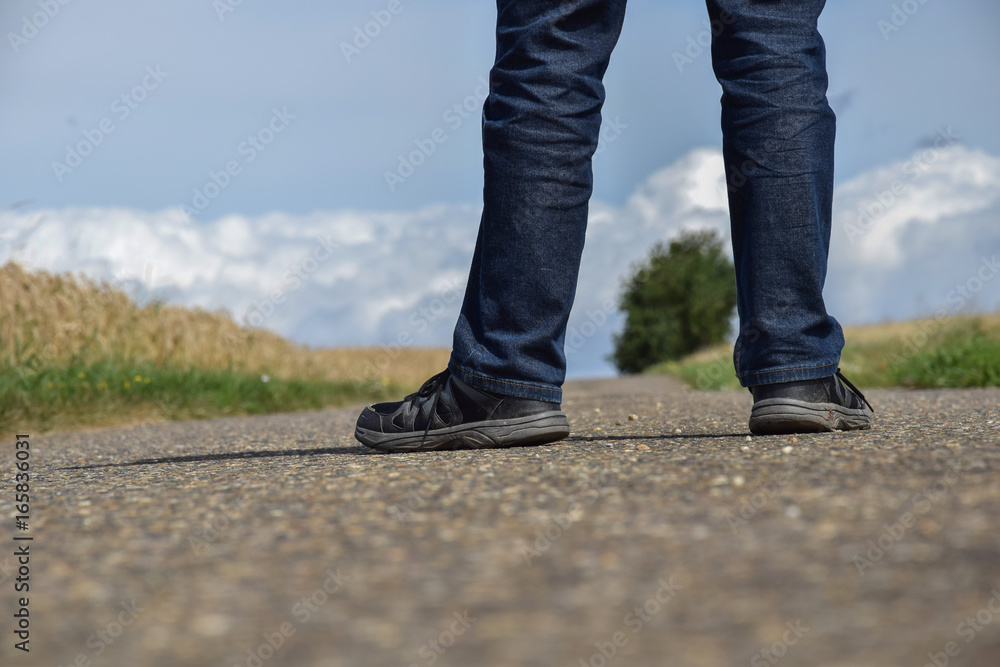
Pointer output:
x,y
679,300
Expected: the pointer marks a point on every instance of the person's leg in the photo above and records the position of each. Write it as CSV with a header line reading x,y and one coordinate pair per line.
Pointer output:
x,y
778,136
540,130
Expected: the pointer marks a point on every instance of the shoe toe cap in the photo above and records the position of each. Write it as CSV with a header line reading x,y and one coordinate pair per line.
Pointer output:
x,y
370,420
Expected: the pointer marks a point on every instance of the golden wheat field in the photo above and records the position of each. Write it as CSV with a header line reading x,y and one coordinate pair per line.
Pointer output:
x,y
50,320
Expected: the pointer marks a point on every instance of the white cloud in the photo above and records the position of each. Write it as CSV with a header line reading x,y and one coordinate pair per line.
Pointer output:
x,y
905,235
400,275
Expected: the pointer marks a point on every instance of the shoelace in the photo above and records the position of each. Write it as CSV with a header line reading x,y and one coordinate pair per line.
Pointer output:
x,y
857,391
431,385
432,389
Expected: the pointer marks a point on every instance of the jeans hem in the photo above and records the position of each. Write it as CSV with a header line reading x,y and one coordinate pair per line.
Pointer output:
x,y
535,392
754,378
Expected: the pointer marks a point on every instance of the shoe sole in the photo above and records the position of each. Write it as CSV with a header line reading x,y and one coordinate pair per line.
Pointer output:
x,y
537,429
778,416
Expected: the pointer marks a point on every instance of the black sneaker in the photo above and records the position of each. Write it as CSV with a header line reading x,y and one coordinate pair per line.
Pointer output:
x,y
446,413
808,406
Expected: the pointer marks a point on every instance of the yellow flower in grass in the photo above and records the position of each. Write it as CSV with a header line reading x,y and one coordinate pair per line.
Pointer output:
x,y
127,384
138,378
81,375
102,385
145,381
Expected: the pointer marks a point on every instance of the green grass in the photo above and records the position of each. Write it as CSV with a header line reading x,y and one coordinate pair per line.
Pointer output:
x,y
44,399
959,363
707,370
953,352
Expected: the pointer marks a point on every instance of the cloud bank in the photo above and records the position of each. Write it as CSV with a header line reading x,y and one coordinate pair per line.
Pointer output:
x,y
909,239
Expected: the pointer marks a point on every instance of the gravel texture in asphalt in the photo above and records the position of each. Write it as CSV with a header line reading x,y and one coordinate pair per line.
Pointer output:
x,y
659,533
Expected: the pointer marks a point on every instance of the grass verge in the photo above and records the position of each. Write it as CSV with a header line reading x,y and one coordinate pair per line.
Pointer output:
x,y
74,352
948,353
45,399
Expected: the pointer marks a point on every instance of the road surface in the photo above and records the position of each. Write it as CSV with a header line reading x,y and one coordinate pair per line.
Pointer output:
x,y
670,537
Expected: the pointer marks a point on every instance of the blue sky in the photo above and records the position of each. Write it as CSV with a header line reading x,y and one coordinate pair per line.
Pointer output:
x,y
256,119
352,119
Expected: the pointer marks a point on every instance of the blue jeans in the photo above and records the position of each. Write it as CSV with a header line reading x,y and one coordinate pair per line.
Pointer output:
x,y
540,130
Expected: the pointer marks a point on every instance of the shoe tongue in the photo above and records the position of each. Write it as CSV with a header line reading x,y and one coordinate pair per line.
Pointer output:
x,y
463,392
474,403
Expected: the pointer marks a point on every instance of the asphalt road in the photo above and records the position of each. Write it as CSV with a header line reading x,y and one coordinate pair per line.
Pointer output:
x,y
672,538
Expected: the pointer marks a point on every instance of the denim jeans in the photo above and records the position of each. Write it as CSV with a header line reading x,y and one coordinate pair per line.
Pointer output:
x,y
540,130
